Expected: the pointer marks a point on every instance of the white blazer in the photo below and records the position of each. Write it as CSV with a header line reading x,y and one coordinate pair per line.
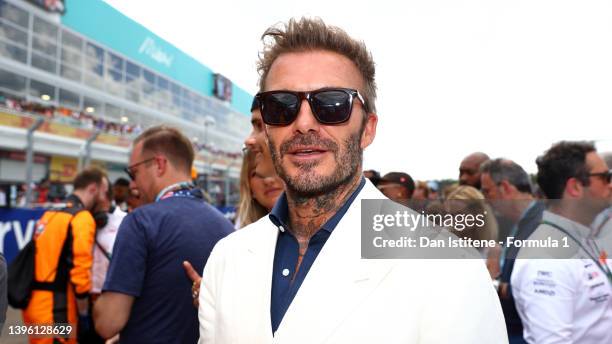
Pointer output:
x,y
346,299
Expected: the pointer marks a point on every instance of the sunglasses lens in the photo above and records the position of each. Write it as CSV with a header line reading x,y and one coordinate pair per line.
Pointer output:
x,y
331,107
279,108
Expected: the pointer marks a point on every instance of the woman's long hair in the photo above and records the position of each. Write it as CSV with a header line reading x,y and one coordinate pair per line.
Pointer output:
x,y
249,210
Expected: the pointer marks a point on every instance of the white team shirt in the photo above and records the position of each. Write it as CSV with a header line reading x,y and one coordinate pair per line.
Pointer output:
x,y
106,238
563,300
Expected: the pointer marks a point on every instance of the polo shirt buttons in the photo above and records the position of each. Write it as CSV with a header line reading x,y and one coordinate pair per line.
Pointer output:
x,y
281,228
285,272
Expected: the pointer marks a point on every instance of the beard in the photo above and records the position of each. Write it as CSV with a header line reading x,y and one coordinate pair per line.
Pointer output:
x,y
308,182
98,205
95,205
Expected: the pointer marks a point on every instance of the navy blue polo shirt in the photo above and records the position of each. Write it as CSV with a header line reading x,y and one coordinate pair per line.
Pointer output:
x,y
285,284
152,242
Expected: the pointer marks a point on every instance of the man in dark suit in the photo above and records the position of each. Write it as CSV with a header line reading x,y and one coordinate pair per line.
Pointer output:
x,y
506,185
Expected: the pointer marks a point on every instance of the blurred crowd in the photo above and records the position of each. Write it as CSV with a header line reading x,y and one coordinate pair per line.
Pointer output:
x,y
514,201
480,179
80,119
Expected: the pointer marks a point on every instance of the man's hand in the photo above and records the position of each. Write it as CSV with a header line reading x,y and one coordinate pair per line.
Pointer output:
x,y
196,279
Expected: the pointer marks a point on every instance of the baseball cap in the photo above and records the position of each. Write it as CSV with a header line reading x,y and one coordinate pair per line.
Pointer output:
x,y
401,178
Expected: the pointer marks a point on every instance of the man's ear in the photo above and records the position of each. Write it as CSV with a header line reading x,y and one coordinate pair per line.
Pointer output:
x,y
573,188
506,188
161,165
369,132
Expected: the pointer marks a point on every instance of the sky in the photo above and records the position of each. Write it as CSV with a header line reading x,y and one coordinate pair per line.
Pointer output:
x,y
508,78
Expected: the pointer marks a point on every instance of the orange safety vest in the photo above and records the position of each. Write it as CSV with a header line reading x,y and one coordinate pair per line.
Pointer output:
x,y
64,242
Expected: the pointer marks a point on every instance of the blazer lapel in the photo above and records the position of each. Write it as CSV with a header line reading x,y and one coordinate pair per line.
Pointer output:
x,y
337,283
252,308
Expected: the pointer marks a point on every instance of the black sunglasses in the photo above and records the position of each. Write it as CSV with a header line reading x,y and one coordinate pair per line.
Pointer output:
x,y
129,169
606,176
328,105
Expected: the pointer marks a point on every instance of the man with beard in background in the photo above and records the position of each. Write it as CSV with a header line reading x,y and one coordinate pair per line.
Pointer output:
x,y
64,240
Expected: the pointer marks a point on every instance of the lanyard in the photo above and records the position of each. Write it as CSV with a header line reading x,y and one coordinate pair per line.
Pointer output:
x,y
504,253
178,189
603,267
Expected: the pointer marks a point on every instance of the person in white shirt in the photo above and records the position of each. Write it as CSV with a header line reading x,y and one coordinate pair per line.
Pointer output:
x,y
103,247
567,300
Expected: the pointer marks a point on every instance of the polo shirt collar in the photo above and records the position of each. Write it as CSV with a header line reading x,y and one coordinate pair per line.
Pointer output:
x,y
573,227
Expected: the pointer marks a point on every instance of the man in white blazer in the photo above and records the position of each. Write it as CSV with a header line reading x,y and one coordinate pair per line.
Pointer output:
x,y
297,276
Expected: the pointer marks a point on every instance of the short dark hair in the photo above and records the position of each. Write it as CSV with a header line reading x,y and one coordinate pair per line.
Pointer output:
x,y
375,178
90,175
564,160
170,142
311,34
109,191
122,182
504,169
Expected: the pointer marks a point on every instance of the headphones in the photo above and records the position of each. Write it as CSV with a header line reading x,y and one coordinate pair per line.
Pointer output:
x,y
101,217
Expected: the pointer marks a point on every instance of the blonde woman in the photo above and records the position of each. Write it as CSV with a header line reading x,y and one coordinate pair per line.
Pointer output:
x,y
468,200
260,187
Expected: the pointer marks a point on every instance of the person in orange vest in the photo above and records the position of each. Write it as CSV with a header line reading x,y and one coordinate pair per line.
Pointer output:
x,y
64,241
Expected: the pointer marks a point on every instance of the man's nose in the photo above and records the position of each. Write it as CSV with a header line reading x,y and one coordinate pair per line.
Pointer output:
x,y
306,121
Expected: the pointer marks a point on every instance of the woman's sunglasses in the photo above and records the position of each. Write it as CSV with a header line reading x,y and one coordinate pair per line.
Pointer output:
x,y
328,105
